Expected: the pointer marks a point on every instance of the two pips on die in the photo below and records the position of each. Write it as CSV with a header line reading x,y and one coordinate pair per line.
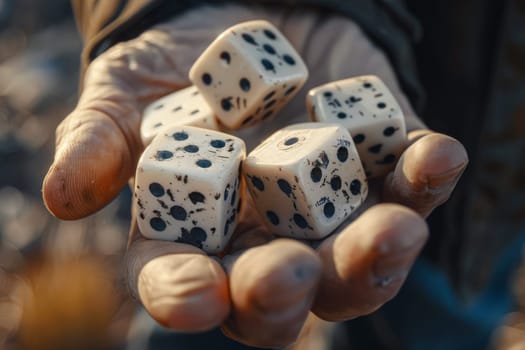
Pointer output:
x,y
367,108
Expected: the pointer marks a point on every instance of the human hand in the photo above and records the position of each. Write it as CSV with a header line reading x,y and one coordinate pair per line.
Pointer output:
x,y
262,291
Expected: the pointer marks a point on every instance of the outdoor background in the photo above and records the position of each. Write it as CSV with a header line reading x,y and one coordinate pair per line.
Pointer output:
x,y
62,274
61,282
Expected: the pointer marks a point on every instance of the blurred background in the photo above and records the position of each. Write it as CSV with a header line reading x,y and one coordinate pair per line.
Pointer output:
x,y
60,282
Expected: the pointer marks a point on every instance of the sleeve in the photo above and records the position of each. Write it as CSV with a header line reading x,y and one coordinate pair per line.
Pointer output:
x,y
99,21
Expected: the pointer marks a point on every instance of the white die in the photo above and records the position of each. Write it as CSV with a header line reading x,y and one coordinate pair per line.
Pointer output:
x,y
182,107
306,179
367,108
187,187
248,73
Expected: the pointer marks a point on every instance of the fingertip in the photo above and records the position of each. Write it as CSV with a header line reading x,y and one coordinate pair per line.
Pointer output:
x,y
366,263
426,173
187,292
433,159
382,230
395,227
284,264
290,277
199,308
272,288
91,166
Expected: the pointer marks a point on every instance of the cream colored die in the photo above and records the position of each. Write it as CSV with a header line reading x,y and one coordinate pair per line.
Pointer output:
x,y
306,179
248,73
367,108
187,187
182,107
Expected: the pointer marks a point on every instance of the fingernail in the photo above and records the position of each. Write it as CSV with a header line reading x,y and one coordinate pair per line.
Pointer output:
x,y
447,178
385,281
394,266
390,268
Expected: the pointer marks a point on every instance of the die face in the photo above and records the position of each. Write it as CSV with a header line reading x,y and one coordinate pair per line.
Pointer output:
x,y
248,73
188,185
306,179
183,107
334,182
366,107
380,146
280,202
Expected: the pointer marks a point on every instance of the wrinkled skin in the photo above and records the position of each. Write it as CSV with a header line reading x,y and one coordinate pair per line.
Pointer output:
x,y
262,291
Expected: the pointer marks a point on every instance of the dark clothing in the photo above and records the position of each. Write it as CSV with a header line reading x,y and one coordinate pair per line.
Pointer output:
x,y
472,64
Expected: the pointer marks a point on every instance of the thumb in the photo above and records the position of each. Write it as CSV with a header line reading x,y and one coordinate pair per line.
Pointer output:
x,y
98,144
95,154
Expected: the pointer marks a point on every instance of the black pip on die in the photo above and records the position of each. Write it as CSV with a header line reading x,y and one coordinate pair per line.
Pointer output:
x,y
306,179
366,107
187,187
248,73
182,107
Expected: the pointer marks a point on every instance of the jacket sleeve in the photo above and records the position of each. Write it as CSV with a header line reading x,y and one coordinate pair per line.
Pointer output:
x,y
97,21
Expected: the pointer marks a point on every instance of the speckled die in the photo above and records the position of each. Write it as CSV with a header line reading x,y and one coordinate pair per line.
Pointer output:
x,y
182,107
248,73
306,179
368,109
188,185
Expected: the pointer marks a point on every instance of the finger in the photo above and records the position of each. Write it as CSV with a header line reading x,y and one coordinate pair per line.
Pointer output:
x,y
98,144
179,286
272,287
366,263
92,164
427,172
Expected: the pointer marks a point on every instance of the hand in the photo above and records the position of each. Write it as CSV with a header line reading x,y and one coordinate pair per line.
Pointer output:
x,y
264,289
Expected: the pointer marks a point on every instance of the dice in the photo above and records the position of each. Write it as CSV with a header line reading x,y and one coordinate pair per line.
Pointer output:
x,y
188,187
306,179
248,73
368,109
183,107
